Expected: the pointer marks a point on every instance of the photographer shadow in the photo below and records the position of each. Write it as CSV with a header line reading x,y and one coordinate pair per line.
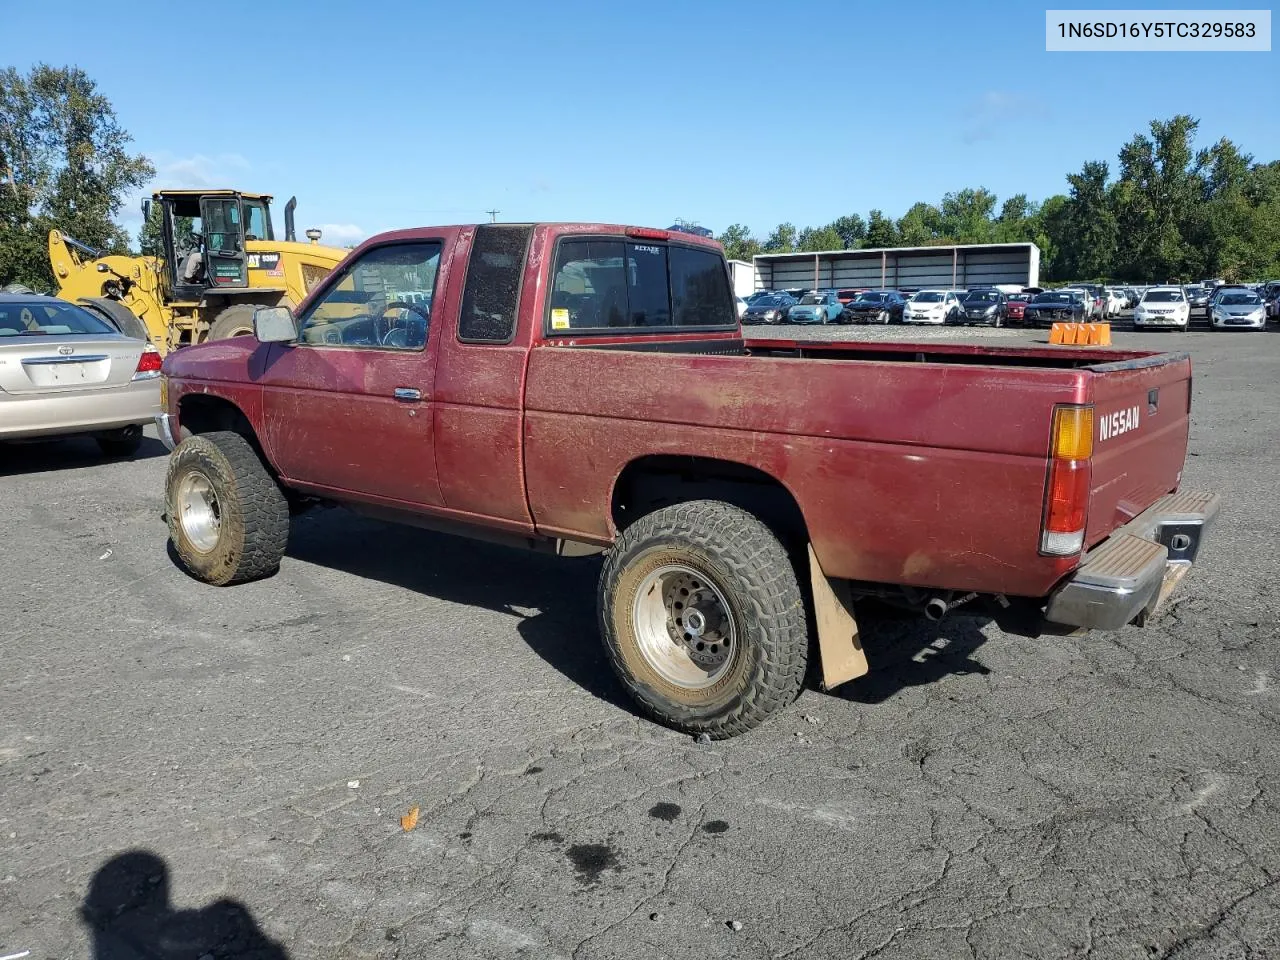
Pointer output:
x,y
130,917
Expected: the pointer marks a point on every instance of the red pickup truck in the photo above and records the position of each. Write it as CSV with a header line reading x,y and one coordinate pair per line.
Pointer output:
x,y
583,388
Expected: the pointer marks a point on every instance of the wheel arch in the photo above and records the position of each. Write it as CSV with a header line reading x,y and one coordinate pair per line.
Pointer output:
x,y
207,413
653,481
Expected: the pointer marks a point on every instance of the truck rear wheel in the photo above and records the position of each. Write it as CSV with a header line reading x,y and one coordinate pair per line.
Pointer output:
x,y
703,619
228,518
233,321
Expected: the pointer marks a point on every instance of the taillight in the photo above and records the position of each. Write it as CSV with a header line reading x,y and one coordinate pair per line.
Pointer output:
x,y
1066,501
148,364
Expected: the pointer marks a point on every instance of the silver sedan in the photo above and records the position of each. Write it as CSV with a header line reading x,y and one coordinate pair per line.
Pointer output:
x,y
65,372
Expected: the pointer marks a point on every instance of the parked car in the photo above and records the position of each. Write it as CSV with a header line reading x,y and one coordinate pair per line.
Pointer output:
x,y
1115,303
1222,291
875,306
1056,306
760,295
1095,299
1163,307
729,498
984,306
1197,298
1273,304
1238,308
816,308
1017,305
64,372
931,306
771,309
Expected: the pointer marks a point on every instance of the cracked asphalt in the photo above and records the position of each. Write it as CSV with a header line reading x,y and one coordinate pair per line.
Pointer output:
x,y
188,771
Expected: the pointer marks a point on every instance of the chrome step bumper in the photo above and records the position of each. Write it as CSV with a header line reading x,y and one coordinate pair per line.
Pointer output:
x,y
1130,575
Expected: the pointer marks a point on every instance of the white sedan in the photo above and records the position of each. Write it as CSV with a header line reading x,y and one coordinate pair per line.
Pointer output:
x,y
1163,307
931,306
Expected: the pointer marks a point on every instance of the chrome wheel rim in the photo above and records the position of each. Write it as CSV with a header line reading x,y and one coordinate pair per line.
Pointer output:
x,y
199,512
683,626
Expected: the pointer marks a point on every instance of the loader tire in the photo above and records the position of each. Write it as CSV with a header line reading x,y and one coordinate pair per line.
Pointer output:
x,y
233,321
228,518
703,619
117,315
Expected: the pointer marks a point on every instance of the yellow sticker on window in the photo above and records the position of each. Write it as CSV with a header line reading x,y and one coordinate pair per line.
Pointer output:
x,y
559,319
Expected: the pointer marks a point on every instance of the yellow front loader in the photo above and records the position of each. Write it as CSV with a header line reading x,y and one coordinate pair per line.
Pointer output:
x,y
221,261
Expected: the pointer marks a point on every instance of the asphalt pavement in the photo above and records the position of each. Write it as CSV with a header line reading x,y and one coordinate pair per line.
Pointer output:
x,y
194,772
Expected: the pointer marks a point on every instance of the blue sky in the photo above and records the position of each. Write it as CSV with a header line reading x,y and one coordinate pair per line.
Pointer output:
x,y
391,114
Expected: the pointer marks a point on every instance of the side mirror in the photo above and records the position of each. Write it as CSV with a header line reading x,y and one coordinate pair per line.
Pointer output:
x,y
274,325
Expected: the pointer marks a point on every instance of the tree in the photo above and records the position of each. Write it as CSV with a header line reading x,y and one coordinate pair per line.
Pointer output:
x,y
920,226
815,239
782,240
852,230
63,163
881,231
966,215
738,243
1089,248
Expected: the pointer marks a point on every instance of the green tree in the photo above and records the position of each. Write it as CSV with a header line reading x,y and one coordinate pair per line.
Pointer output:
x,y
881,230
738,243
815,239
920,226
852,229
1089,248
63,163
782,240
966,215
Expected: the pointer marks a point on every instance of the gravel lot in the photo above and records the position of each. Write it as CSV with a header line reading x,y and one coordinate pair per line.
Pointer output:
x,y
210,773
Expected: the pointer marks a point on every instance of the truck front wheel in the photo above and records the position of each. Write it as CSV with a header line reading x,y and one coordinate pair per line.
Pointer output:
x,y
703,619
228,518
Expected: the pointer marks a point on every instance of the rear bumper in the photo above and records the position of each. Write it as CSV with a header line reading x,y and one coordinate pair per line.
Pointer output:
x,y
30,416
1131,574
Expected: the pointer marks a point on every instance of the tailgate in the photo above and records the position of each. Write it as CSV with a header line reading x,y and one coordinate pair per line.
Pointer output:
x,y
1141,423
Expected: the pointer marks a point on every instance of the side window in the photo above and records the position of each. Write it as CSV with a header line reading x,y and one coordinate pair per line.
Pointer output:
x,y
382,300
590,286
599,284
494,273
700,294
255,222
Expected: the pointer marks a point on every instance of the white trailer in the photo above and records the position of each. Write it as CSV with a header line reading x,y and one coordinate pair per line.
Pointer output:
x,y
742,277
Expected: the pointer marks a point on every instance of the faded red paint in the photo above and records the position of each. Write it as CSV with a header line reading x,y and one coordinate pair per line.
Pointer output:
x,y
912,463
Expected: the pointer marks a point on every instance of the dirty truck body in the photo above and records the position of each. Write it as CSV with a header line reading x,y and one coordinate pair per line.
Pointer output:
x,y
743,491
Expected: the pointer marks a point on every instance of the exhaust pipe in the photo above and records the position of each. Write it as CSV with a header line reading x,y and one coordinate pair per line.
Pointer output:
x,y
939,606
289,233
936,609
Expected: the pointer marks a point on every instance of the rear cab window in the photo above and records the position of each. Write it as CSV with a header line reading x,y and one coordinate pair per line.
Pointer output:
x,y
613,285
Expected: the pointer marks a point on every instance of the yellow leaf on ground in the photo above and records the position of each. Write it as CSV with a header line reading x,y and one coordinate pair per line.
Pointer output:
x,y
410,819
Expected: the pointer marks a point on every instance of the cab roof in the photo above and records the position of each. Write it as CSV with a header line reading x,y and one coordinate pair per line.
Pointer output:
x,y
210,193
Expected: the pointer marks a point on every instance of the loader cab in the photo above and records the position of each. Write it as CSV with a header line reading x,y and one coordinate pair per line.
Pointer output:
x,y
205,232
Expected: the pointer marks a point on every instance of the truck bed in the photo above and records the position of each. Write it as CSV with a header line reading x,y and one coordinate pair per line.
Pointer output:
x,y
922,464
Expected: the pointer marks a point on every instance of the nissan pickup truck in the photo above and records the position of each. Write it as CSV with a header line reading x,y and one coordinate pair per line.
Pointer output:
x,y
586,388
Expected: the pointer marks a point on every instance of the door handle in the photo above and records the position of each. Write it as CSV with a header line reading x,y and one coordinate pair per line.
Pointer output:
x,y
407,393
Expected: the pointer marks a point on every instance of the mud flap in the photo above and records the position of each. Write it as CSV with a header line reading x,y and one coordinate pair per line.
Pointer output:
x,y
839,645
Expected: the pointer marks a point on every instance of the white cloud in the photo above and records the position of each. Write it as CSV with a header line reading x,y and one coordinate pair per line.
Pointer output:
x,y
997,110
340,233
200,170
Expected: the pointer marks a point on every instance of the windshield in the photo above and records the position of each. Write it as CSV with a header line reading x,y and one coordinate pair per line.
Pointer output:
x,y
1020,297
810,298
982,296
1053,298
1240,299
35,318
927,296
1163,296
769,302
870,298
